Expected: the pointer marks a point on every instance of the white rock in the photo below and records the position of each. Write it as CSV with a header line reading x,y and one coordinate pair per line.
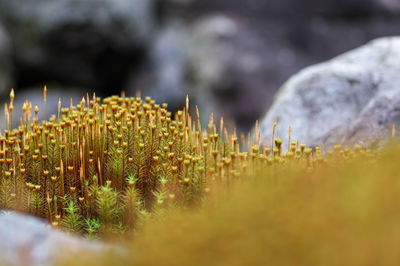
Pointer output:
x,y
25,240
355,94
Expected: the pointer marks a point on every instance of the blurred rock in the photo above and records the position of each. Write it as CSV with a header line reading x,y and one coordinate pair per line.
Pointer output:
x,y
355,94
285,36
322,37
299,8
5,61
375,120
26,240
219,61
392,5
171,9
229,65
89,43
163,75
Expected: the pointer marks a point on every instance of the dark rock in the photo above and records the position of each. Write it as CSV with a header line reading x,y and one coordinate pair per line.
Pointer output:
x,y
88,43
171,9
300,8
5,61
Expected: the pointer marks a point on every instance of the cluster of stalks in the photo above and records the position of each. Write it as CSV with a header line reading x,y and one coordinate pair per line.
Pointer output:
x,y
102,165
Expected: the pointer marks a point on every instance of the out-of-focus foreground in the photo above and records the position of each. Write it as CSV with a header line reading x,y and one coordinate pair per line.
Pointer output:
x,y
340,214
181,193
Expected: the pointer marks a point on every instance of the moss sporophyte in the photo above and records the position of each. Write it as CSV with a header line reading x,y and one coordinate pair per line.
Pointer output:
x,y
104,165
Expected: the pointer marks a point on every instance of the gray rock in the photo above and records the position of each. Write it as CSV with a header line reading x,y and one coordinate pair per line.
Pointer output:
x,y
392,5
5,61
351,98
26,240
375,120
163,75
218,61
77,42
131,19
229,67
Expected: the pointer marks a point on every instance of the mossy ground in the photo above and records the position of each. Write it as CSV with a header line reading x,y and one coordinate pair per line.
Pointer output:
x,y
347,214
178,193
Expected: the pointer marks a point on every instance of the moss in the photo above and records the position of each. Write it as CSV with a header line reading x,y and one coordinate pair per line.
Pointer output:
x,y
344,212
199,196
111,160
101,166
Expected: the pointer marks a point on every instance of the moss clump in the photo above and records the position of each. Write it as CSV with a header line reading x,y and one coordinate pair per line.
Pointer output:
x,y
102,166
343,212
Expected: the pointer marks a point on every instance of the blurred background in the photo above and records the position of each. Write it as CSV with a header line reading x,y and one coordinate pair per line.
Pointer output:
x,y
230,56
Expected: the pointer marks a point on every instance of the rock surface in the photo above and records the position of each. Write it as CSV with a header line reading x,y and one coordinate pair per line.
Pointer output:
x,y
392,5
163,75
299,8
75,42
355,96
5,61
26,240
228,69
375,120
